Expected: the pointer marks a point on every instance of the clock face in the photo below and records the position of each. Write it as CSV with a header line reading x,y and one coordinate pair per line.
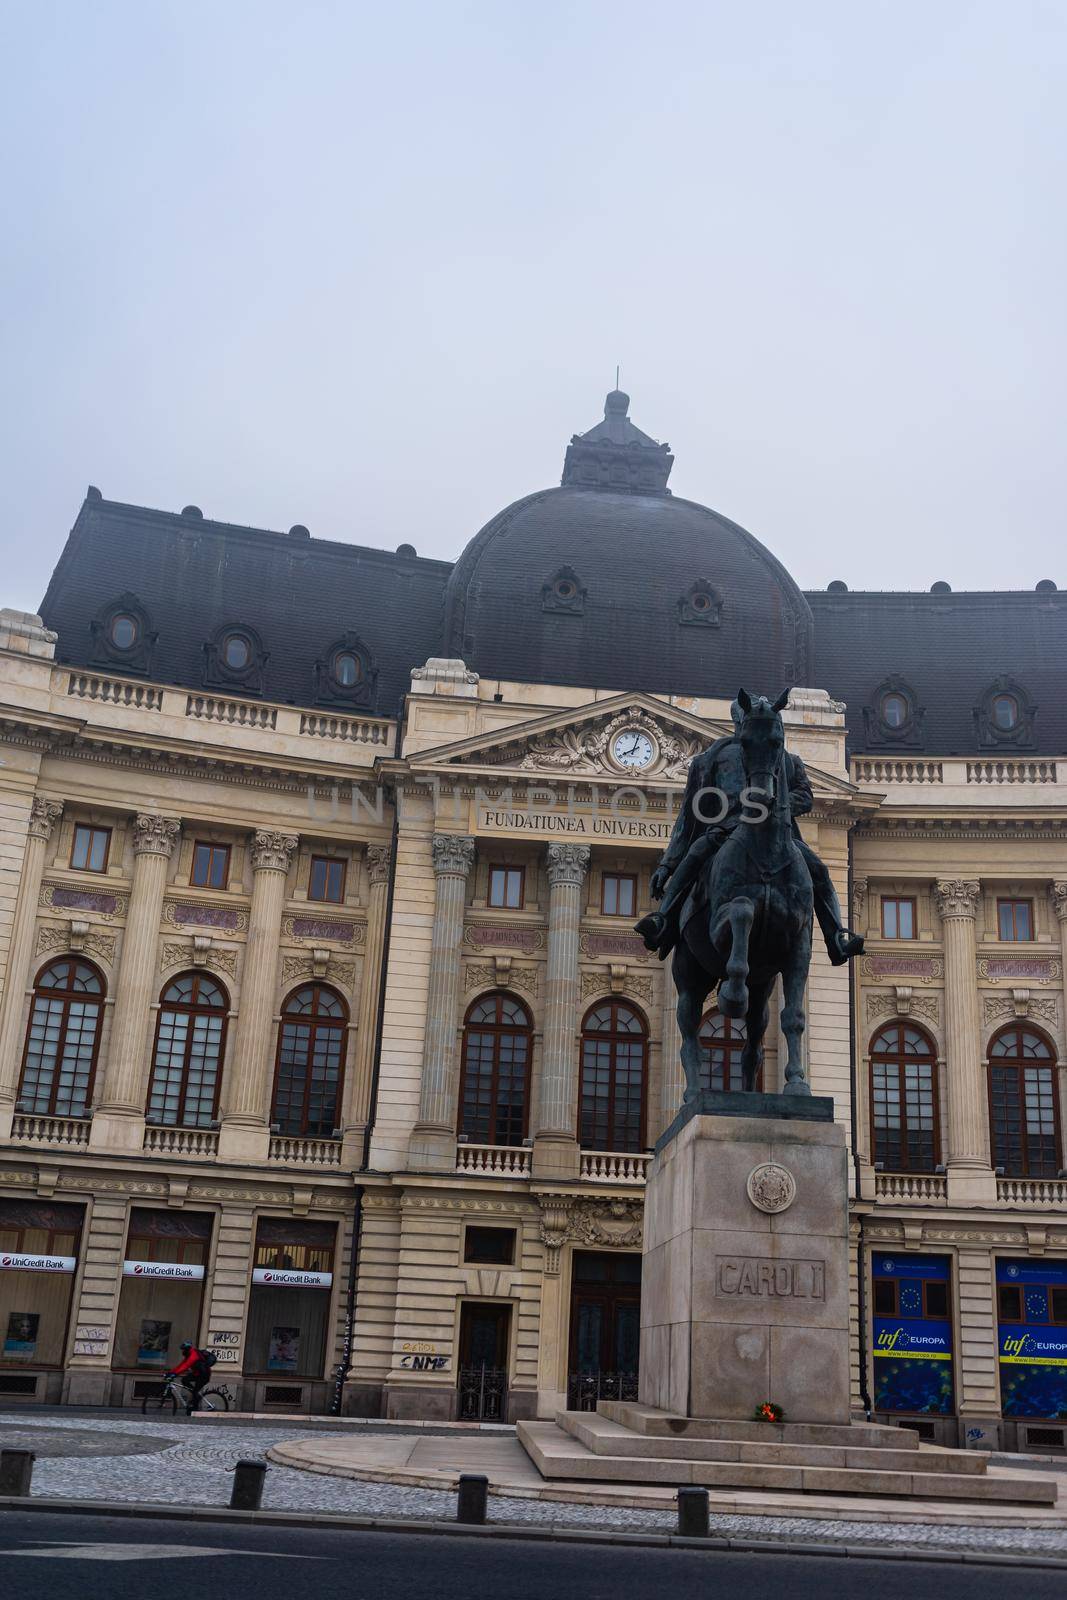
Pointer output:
x,y
633,749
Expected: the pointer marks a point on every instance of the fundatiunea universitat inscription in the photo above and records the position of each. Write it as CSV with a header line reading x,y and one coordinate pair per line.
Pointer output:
x,y
757,1278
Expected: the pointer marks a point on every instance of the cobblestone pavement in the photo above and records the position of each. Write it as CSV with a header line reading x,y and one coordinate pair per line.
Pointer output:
x,y
178,1463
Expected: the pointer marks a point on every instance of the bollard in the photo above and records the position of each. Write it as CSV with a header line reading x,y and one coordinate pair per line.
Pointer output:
x,y
16,1470
473,1493
247,1493
693,1513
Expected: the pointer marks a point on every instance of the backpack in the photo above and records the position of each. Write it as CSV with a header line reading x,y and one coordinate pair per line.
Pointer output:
x,y
209,1356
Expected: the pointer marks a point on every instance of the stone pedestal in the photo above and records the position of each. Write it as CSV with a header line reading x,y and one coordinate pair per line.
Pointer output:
x,y
744,1289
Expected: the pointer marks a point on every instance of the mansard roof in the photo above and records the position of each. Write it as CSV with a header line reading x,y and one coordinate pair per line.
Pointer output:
x,y
296,597
950,651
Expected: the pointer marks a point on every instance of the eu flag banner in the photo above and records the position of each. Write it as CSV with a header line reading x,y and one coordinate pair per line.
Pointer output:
x,y
912,1344
1032,1337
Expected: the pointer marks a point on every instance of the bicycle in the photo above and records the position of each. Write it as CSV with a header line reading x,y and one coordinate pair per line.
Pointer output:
x,y
171,1395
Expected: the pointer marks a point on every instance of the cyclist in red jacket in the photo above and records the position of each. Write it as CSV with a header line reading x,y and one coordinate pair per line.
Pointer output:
x,y
194,1370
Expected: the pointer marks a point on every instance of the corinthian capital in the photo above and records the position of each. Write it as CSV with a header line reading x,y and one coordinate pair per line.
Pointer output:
x,y
153,835
379,859
44,814
1058,896
567,863
272,852
453,855
957,897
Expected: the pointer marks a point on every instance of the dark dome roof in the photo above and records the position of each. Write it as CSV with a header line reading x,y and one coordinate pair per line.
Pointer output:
x,y
620,585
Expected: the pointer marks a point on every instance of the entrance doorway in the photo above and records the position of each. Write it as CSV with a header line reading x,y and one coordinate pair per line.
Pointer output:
x,y
484,1333
605,1328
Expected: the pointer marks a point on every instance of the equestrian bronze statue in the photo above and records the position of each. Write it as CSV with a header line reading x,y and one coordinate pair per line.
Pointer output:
x,y
737,887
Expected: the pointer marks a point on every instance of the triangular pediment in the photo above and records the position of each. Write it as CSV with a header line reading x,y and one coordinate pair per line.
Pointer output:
x,y
578,743
581,744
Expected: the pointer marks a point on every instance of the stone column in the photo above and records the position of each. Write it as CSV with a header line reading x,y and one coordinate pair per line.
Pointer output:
x,y
44,814
555,1153
361,1071
119,1118
433,1138
1058,896
970,1174
245,1131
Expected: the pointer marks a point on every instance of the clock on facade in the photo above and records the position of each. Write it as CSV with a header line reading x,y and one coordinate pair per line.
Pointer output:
x,y
633,749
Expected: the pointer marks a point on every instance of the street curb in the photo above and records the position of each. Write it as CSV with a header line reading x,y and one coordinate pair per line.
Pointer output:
x,y
501,1530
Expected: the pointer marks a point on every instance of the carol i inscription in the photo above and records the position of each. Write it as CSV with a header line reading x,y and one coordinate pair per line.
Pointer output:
x,y
757,1278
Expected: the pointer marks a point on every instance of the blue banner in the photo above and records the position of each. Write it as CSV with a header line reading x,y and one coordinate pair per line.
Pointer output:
x,y
912,1350
1032,1348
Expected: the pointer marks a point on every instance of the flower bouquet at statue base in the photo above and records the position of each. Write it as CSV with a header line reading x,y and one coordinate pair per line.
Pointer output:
x,y
768,1411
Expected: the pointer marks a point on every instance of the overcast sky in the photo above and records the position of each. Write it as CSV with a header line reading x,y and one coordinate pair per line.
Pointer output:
x,y
367,267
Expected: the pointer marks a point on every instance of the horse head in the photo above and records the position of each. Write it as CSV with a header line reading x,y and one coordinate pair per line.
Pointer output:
x,y
762,739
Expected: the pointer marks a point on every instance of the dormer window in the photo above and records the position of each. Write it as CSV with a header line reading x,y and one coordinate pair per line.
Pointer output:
x,y
235,659
1005,716
563,592
347,669
701,605
894,717
345,674
122,636
124,630
1005,712
236,651
895,710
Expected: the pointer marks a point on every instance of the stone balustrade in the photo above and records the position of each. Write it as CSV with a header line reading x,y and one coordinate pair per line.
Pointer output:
x,y
911,1188
611,1166
297,1151
197,1143
493,1160
29,1128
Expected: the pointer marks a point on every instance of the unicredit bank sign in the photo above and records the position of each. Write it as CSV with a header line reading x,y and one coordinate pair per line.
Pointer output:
x,y
283,1278
15,1262
183,1271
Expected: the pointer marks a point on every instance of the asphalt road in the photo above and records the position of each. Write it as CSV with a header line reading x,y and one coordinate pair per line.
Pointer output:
x,y
116,1558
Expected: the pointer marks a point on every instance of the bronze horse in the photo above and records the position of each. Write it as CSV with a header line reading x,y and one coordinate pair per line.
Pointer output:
x,y
749,916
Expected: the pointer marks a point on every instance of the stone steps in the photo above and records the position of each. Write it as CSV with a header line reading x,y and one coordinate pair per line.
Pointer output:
x,y
590,1447
607,1438
649,1420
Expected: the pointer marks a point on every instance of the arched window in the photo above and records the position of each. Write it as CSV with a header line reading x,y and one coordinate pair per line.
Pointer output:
x,y
904,1099
496,1071
611,1112
311,1050
62,1039
1023,1109
184,1090
722,1040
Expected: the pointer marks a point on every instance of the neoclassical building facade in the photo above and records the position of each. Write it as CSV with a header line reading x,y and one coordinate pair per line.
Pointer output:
x,y
325,1039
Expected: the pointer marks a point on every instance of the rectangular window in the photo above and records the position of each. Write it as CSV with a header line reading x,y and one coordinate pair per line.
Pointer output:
x,y
1058,1303
1015,920
90,849
327,881
506,887
935,1295
618,895
211,866
898,919
1010,1302
490,1246
885,1297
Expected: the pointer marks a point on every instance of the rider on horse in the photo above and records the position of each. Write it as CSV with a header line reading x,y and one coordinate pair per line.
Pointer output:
x,y
696,839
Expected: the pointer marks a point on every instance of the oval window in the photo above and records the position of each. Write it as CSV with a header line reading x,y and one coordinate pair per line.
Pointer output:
x,y
700,602
347,669
565,589
894,710
1005,712
123,631
236,652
